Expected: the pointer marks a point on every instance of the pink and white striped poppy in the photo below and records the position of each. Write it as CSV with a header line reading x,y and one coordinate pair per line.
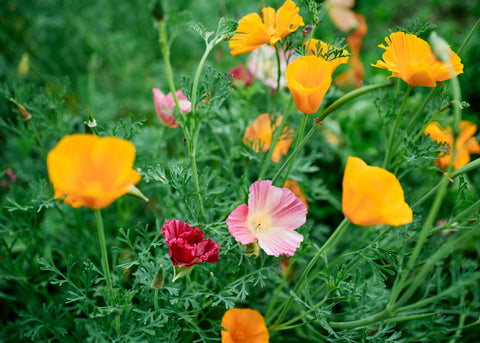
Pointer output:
x,y
271,217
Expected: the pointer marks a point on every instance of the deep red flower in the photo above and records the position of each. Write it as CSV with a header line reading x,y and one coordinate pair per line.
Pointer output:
x,y
186,245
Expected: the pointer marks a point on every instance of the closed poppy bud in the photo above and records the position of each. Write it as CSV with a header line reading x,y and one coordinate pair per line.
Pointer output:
x,y
159,278
308,79
164,105
90,171
25,114
373,196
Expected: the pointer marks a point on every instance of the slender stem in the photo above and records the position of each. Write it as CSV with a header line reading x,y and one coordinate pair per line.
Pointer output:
x,y
469,37
300,133
279,69
103,250
276,136
166,60
362,322
351,95
341,227
299,317
155,300
414,118
277,292
343,100
452,175
295,152
388,151
461,320
440,110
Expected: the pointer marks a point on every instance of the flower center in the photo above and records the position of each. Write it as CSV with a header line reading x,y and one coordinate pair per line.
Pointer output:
x,y
238,334
261,223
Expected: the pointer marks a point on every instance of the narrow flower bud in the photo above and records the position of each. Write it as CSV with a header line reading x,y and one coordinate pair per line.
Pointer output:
x,y
306,30
159,278
157,10
25,114
440,48
24,64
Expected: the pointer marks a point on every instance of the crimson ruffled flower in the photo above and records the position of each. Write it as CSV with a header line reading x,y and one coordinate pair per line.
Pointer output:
x,y
186,244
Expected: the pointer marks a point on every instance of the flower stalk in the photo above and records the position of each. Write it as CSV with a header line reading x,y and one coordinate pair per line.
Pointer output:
x,y
103,250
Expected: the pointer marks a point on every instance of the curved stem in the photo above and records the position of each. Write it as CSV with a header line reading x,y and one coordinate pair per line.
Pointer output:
x,y
297,142
388,151
341,227
162,28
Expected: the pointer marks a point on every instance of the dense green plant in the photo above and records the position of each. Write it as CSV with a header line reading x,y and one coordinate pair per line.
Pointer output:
x,y
413,283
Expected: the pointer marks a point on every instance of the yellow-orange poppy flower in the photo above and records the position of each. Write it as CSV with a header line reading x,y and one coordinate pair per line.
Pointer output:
x,y
87,170
244,325
466,143
411,59
260,135
373,196
317,48
252,32
308,79
295,188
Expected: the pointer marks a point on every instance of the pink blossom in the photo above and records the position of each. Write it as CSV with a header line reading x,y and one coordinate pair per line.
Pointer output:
x,y
186,245
242,75
164,105
262,63
271,217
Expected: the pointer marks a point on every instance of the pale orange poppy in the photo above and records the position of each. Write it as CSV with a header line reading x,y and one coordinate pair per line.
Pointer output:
x,y
86,170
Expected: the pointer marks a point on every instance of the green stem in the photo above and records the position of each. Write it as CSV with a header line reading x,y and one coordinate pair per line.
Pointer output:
x,y
452,175
469,37
276,136
155,300
166,59
289,323
341,227
279,289
103,250
318,121
279,70
388,151
461,320
300,133
414,118
362,322
351,95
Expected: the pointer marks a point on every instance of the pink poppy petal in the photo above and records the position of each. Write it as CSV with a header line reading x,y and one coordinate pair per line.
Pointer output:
x,y
263,196
279,242
238,227
291,214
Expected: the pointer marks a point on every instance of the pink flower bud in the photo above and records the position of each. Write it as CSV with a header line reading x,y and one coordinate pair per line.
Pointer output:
x,y
164,105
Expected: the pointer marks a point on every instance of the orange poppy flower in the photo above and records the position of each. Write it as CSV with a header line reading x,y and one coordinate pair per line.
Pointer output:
x,y
90,171
252,32
260,135
466,143
295,188
373,196
314,45
308,79
411,59
244,325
